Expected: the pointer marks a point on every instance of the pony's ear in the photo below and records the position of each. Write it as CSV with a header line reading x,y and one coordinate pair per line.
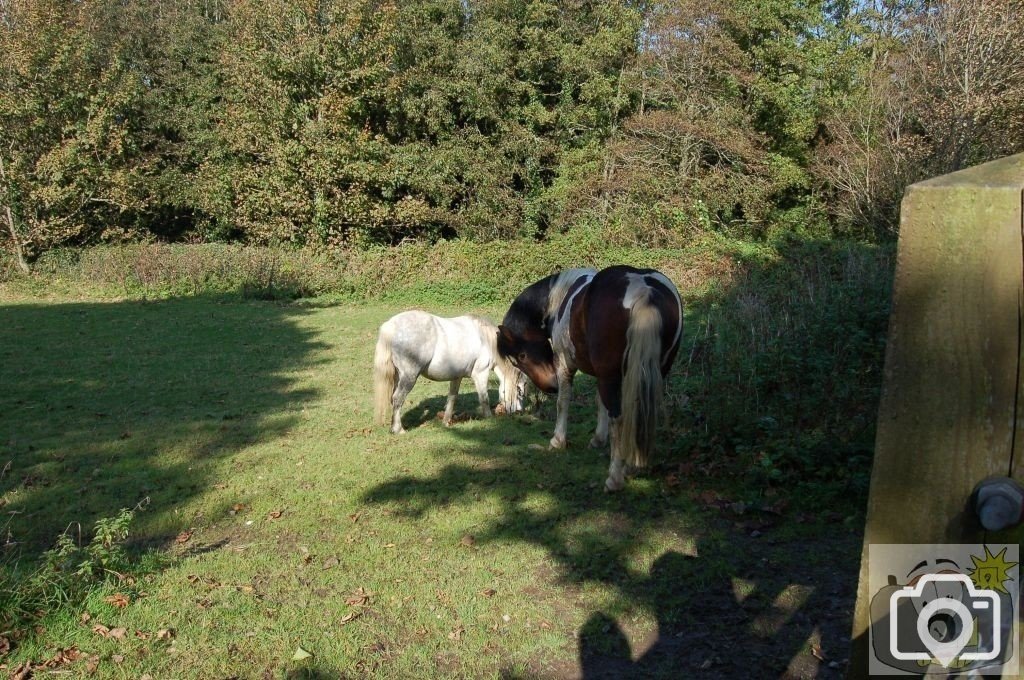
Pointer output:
x,y
506,341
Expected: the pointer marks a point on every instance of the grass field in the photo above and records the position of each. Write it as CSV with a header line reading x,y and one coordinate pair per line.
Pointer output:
x,y
273,519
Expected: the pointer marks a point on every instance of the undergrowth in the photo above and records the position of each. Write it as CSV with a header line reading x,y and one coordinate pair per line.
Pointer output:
x,y
67,573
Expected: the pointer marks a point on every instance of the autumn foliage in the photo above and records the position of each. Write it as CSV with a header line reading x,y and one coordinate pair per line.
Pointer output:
x,y
366,122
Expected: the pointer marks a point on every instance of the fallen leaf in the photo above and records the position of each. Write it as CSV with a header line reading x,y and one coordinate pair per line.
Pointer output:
x,y
488,592
359,598
546,625
142,635
300,654
236,508
117,658
165,634
184,536
22,672
355,516
118,633
817,653
92,664
119,600
5,646
86,617
275,514
220,486
468,540
351,616
389,545
62,657
101,630
330,562
306,559
456,633
739,507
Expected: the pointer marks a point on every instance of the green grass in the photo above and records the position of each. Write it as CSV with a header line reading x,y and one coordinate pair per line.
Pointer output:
x,y
192,407
479,553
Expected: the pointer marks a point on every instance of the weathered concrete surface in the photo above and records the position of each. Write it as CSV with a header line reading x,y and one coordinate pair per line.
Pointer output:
x,y
949,413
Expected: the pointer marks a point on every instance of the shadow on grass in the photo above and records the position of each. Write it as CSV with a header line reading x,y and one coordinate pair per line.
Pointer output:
x,y
783,369
106,406
727,604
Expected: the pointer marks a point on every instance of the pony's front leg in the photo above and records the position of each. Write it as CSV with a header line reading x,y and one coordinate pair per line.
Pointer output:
x,y
565,376
449,407
480,381
600,437
617,469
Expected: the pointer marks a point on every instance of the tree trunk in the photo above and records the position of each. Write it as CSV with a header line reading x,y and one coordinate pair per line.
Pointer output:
x,y
18,251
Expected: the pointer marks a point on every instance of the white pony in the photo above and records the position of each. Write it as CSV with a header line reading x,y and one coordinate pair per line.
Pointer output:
x,y
415,343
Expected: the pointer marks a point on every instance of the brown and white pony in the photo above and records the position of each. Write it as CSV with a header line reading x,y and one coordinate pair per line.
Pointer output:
x,y
621,325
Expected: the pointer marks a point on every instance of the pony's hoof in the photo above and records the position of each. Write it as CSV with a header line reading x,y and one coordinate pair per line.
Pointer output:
x,y
611,485
597,443
400,430
557,443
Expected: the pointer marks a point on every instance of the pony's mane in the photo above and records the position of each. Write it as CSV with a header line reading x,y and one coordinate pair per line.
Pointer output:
x,y
487,328
535,308
489,333
560,288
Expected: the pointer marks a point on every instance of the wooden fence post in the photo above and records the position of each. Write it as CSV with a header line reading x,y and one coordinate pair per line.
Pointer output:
x,y
949,413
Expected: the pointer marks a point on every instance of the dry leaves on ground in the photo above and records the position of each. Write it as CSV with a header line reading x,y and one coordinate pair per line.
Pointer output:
x,y
359,598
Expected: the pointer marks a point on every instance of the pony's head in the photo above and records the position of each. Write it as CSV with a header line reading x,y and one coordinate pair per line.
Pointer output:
x,y
531,354
511,386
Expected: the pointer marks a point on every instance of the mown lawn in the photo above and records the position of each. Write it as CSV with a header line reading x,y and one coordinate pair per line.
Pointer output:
x,y
273,517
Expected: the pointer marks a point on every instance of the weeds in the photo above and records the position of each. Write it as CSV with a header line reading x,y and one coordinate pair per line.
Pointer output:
x,y
66,573
785,367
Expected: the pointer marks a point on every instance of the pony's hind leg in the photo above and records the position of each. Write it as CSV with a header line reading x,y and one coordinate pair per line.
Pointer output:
x,y
600,437
480,382
449,407
617,469
402,389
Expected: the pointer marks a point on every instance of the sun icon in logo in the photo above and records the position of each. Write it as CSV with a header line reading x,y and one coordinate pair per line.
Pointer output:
x,y
991,571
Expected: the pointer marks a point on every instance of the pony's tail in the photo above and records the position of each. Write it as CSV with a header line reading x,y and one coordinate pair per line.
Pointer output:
x,y
384,377
641,383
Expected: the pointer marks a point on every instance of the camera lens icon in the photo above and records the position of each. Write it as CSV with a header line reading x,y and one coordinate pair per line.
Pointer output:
x,y
946,625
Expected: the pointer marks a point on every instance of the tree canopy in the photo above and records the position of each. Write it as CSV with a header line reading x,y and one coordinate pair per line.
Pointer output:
x,y
356,122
